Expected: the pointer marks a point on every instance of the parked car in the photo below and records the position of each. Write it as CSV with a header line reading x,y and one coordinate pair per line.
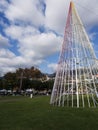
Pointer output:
x,y
3,92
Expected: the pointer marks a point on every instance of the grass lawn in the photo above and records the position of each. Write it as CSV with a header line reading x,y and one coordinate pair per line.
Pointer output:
x,y
23,113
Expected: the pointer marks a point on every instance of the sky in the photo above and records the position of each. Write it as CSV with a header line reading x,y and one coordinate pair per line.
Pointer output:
x,y
31,31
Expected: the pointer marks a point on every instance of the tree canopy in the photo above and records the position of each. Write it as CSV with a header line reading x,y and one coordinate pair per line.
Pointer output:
x,y
26,78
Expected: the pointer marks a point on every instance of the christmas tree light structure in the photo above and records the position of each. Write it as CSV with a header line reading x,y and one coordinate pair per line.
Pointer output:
x,y
76,81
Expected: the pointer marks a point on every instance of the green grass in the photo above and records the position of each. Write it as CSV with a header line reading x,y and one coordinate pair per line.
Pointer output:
x,y
23,113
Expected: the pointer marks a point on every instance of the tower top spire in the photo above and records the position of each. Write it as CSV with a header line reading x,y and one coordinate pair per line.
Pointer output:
x,y
72,4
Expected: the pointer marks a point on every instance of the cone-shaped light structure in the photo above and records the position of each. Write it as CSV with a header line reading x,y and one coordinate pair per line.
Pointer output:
x,y
76,77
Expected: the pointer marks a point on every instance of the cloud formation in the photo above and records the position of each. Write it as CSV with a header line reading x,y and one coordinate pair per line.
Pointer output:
x,y
4,42
25,11
53,67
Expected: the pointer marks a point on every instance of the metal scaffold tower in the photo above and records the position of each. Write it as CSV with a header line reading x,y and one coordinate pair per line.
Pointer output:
x,y
76,81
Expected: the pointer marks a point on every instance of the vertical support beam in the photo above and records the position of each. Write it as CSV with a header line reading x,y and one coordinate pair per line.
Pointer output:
x,y
77,91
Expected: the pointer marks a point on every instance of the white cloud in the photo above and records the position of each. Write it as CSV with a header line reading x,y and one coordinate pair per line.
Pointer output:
x,y
41,45
6,60
5,53
32,43
9,61
4,42
93,35
4,70
88,12
53,67
55,15
24,11
3,5
18,32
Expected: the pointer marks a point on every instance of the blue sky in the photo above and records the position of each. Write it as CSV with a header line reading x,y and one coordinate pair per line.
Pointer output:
x,y
31,31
